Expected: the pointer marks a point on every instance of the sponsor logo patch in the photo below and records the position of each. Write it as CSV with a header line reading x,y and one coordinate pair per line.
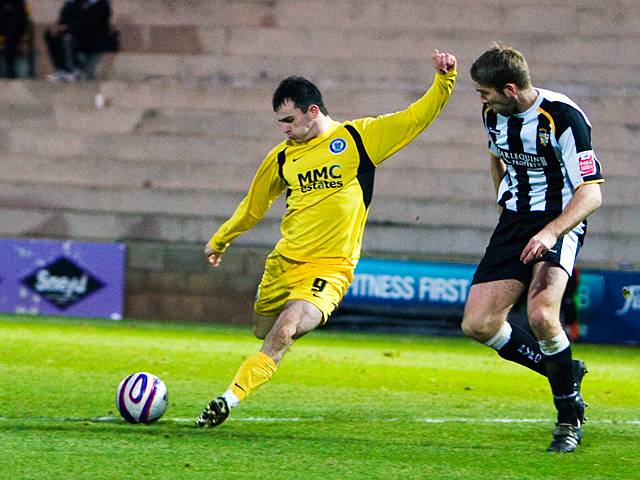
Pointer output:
x,y
321,178
528,160
587,163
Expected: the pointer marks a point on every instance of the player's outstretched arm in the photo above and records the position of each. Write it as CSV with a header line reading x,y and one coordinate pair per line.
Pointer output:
x,y
386,134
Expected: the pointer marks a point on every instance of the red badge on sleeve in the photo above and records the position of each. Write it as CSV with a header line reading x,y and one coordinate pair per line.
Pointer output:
x,y
587,163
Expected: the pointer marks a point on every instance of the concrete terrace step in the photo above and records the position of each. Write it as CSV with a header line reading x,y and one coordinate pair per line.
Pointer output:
x,y
92,171
389,30
602,248
132,105
391,73
344,100
176,197
498,15
111,226
221,175
446,198
100,226
157,147
440,147
199,135
224,146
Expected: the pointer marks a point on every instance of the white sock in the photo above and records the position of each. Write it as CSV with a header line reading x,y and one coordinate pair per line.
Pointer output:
x,y
232,400
555,345
501,338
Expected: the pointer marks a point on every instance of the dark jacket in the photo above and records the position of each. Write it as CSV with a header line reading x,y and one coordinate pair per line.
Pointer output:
x,y
88,21
13,18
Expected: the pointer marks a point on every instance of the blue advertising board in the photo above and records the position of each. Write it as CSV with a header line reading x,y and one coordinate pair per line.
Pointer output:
x,y
422,286
606,314
51,277
441,289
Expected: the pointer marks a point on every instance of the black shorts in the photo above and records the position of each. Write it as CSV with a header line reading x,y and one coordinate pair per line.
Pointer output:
x,y
501,260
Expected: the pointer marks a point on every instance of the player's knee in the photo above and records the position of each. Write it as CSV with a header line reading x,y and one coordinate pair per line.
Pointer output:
x,y
259,331
473,327
281,336
476,332
262,325
467,329
543,316
543,320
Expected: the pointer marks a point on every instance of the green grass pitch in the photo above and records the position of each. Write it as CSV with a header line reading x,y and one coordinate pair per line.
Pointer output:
x,y
342,406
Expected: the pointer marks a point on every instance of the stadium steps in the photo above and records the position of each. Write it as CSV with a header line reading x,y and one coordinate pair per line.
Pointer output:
x,y
219,101
180,109
188,116
609,103
385,73
188,119
472,16
385,43
145,187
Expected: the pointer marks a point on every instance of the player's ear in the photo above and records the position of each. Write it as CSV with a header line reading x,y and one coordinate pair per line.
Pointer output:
x,y
510,90
313,110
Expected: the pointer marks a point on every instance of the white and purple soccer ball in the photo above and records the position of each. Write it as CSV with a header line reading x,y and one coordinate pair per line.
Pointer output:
x,y
142,398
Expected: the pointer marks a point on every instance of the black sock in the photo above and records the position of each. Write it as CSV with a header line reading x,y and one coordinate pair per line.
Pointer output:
x,y
560,374
523,348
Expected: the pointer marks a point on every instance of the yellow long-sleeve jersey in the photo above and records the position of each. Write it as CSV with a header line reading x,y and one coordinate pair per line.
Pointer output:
x,y
329,181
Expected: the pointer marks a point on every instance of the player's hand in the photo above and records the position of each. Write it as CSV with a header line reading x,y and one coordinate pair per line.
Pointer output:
x,y
214,258
540,244
443,62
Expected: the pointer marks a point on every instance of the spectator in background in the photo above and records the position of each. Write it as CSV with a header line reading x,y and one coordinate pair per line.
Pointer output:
x,y
82,28
13,22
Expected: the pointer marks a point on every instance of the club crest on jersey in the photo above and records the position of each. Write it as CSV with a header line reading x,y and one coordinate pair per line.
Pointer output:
x,y
338,145
543,136
587,163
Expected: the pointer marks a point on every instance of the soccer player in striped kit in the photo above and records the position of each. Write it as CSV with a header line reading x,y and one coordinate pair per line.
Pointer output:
x,y
326,169
547,180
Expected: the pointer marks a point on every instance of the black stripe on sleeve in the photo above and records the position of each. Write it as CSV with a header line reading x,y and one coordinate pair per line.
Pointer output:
x,y
565,116
282,157
366,168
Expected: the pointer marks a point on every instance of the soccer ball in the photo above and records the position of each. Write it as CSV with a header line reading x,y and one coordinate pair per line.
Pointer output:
x,y
142,398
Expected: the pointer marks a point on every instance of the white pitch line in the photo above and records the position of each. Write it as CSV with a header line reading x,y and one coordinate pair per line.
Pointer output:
x,y
113,419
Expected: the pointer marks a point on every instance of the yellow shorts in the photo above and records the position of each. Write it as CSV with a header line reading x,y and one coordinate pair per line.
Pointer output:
x,y
284,279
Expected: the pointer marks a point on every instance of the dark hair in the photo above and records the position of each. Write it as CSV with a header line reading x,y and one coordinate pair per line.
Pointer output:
x,y
501,65
301,92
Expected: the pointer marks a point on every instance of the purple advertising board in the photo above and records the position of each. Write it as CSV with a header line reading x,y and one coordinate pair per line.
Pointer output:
x,y
62,277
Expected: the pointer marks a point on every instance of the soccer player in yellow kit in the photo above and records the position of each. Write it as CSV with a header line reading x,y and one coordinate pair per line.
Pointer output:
x,y
327,170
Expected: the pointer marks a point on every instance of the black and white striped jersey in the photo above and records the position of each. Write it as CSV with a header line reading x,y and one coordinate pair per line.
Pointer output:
x,y
547,151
